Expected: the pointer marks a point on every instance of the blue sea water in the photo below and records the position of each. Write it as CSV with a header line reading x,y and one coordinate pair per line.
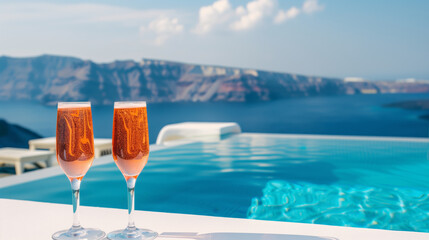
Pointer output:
x,y
338,115
344,182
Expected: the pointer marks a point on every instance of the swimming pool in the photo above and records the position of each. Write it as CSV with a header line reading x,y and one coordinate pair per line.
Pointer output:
x,y
360,182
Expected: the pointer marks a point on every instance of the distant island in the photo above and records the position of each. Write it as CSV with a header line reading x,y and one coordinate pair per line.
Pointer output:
x,y
12,135
49,79
413,105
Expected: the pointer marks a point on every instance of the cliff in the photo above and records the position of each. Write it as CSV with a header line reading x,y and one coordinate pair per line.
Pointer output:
x,y
49,79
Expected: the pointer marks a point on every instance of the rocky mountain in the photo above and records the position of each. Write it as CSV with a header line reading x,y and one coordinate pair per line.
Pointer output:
x,y
49,79
12,135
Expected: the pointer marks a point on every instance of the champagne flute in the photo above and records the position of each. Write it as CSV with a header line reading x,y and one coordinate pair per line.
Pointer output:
x,y
75,153
130,148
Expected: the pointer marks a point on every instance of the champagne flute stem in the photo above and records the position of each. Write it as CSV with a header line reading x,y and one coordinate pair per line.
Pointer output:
x,y
131,182
75,184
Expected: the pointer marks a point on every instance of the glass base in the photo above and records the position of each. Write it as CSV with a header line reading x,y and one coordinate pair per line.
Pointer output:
x,y
132,233
79,234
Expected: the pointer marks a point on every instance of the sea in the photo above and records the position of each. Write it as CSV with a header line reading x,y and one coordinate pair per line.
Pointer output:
x,y
357,115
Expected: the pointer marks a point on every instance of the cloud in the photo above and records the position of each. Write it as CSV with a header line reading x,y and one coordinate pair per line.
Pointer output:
x,y
308,7
160,24
311,6
254,12
221,15
283,16
213,15
163,28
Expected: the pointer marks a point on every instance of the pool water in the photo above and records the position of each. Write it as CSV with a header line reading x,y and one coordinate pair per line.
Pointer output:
x,y
346,182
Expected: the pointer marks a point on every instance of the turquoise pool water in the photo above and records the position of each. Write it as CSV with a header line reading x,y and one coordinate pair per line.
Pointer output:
x,y
344,182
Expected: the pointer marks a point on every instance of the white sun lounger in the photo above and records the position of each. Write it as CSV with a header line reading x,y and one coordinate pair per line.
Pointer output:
x,y
20,156
197,131
102,146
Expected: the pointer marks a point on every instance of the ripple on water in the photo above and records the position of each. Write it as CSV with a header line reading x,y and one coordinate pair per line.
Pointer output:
x,y
343,205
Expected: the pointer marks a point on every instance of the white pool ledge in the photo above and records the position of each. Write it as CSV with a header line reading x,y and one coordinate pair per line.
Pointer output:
x,y
23,220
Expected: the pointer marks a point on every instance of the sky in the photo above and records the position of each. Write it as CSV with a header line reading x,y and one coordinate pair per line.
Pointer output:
x,y
378,40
